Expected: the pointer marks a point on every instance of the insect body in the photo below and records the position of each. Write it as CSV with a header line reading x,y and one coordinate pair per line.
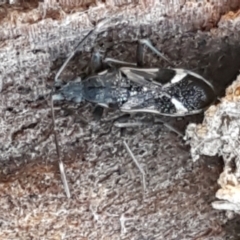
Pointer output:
x,y
169,92
108,89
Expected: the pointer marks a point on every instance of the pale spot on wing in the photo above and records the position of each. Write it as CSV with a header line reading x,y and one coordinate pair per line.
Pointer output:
x,y
179,106
180,74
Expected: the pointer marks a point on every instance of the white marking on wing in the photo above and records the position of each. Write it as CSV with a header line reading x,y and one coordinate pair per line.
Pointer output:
x,y
179,106
180,74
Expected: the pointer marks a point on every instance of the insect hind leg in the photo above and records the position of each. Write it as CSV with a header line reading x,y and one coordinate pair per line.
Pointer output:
x,y
153,121
140,52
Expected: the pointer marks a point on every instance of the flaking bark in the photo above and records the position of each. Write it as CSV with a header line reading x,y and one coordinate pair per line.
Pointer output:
x,y
107,199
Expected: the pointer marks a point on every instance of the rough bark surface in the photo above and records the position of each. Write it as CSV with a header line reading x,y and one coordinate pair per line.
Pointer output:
x,y
219,135
107,197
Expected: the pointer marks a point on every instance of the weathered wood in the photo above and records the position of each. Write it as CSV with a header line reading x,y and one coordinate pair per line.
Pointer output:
x,y
107,200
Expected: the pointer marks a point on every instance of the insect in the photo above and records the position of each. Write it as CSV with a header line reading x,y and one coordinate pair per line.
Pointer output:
x,y
168,92
132,88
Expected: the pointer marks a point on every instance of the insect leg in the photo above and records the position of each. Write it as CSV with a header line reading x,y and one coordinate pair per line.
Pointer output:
x,y
169,127
96,63
137,164
149,124
110,61
140,52
98,112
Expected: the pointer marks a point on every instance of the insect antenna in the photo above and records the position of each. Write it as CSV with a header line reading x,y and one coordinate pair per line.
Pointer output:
x,y
60,162
98,28
72,55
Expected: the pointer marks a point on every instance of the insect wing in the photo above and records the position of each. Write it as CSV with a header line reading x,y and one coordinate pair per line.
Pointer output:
x,y
144,76
191,90
177,92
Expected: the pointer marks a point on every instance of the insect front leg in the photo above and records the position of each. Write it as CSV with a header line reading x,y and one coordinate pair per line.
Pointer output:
x,y
149,123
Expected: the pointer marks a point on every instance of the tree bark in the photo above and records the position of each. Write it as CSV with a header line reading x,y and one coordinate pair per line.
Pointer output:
x,y
106,186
